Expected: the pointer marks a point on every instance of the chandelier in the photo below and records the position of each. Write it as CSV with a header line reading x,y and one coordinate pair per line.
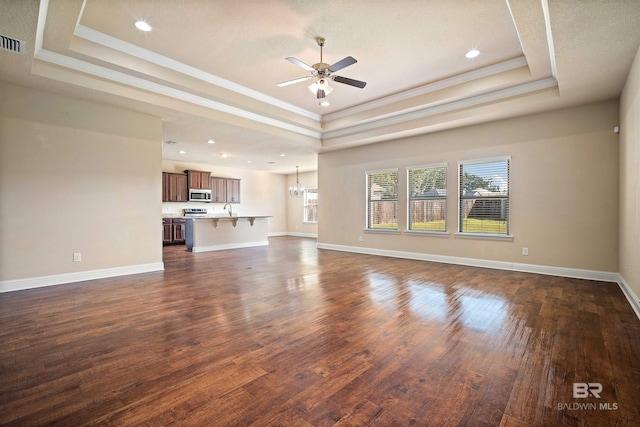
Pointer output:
x,y
296,191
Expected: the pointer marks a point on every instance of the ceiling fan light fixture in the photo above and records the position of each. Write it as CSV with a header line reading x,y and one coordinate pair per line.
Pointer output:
x,y
321,88
323,73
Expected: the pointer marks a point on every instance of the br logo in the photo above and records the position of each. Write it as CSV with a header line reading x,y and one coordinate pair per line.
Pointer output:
x,y
582,390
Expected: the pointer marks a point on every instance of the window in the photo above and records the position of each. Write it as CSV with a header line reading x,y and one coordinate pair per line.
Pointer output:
x,y
311,205
382,200
484,196
427,197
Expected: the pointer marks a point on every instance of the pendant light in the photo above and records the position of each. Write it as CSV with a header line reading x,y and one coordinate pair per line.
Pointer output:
x,y
296,191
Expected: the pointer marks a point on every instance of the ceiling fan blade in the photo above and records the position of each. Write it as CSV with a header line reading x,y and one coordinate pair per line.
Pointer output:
x,y
348,81
343,63
290,82
299,63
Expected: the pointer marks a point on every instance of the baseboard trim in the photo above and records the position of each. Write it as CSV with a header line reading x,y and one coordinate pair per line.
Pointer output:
x,y
278,234
79,276
295,234
603,276
198,249
631,296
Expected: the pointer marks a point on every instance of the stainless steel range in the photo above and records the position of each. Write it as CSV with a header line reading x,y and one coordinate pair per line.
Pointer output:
x,y
195,212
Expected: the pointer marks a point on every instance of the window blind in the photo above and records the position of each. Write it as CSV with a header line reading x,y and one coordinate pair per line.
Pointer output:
x,y
484,196
382,199
427,208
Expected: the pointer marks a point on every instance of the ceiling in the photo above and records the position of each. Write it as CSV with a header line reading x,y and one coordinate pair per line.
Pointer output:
x,y
209,69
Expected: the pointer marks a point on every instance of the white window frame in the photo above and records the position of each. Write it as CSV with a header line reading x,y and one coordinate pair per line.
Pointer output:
x,y
308,205
491,235
410,198
368,201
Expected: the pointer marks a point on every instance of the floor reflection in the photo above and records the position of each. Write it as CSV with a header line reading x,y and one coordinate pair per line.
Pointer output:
x,y
430,301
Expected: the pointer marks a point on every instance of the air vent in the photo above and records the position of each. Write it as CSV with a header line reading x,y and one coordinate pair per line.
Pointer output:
x,y
14,45
171,142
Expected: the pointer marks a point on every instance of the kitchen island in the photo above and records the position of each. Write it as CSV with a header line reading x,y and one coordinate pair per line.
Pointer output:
x,y
220,232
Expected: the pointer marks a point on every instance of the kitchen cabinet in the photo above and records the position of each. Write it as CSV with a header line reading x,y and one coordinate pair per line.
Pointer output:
x,y
225,190
198,179
233,191
218,190
173,230
174,187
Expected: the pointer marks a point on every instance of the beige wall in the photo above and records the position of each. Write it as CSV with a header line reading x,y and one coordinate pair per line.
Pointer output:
x,y
261,193
564,189
76,177
295,206
629,265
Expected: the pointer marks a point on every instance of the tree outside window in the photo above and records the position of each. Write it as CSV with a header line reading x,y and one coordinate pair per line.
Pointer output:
x,y
382,200
484,196
427,198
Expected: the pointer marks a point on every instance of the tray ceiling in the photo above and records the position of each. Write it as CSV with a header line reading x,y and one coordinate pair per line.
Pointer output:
x,y
209,69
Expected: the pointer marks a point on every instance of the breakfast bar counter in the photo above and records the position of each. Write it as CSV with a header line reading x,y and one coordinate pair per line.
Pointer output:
x,y
219,232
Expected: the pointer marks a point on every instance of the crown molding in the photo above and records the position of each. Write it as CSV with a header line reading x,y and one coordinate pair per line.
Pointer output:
x,y
433,109
126,79
106,40
375,123
138,83
547,24
490,70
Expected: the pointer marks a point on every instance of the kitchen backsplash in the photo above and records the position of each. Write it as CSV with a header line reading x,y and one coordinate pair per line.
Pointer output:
x,y
173,208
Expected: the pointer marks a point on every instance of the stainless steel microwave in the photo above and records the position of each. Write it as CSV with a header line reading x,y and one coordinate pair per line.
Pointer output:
x,y
199,195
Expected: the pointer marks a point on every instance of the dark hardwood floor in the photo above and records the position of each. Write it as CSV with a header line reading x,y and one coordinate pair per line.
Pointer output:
x,y
288,335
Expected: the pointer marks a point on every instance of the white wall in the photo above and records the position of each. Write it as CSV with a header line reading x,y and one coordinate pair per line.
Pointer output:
x,y
564,190
76,177
629,265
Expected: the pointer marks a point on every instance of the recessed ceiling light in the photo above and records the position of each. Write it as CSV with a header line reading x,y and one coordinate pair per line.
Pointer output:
x,y
249,161
143,26
224,155
211,141
283,155
473,53
182,152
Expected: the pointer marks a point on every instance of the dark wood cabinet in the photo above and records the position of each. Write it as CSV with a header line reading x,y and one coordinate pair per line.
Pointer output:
x,y
174,187
167,233
225,190
179,230
198,179
218,190
173,230
233,191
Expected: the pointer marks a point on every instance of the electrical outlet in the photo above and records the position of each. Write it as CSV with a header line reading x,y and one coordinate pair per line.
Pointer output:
x,y
77,257
359,238
525,251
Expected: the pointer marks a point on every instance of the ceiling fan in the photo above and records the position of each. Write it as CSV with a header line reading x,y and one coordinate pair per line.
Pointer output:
x,y
323,72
